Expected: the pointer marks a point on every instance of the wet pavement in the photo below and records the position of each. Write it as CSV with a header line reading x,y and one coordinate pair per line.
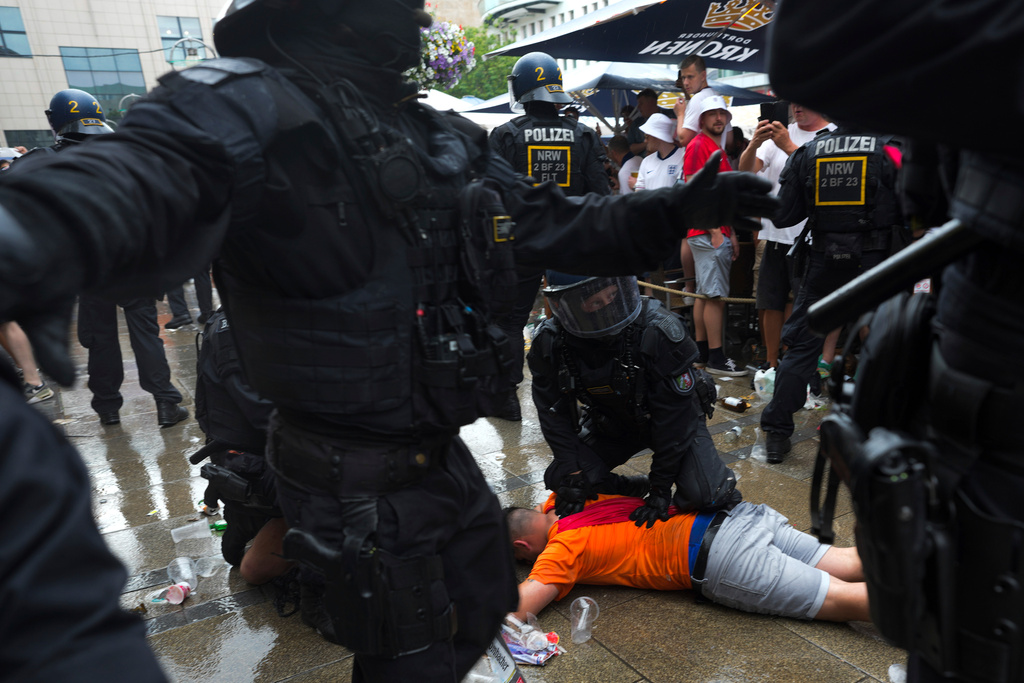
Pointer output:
x,y
228,631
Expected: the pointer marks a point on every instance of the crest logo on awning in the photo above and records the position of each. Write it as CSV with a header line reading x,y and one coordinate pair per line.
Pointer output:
x,y
738,15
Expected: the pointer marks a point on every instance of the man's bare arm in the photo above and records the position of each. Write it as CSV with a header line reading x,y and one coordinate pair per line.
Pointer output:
x,y
534,596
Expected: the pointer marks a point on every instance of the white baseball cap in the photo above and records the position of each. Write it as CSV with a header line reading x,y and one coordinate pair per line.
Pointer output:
x,y
659,126
715,102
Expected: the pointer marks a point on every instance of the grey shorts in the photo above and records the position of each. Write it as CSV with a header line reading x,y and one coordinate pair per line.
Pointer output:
x,y
759,563
712,265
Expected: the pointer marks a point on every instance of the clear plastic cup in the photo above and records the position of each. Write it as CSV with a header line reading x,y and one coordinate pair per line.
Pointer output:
x,y
200,529
584,611
183,570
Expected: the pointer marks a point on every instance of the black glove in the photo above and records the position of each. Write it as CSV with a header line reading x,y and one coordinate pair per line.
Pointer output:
x,y
712,199
653,509
572,493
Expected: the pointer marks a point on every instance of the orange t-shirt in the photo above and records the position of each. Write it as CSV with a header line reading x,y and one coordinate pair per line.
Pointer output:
x,y
617,554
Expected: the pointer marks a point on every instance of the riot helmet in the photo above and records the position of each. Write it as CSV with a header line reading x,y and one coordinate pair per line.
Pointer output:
x,y
73,114
593,306
388,31
536,77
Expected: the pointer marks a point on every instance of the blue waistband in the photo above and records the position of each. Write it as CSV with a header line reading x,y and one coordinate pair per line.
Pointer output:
x,y
700,525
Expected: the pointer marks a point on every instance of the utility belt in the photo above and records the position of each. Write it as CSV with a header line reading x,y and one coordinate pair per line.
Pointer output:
x,y
702,535
849,245
349,470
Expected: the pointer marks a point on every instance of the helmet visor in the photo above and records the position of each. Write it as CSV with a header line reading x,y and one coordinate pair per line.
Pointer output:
x,y
596,307
514,104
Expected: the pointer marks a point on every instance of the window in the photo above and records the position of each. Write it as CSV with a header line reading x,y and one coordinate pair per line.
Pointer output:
x,y
572,14
552,21
108,74
29,138
13,39
173,29
561,18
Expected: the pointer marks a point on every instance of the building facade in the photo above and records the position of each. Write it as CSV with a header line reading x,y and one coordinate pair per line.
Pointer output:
x,y
115,50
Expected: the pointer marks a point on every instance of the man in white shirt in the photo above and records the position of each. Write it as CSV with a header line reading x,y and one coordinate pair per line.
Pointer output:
x,y
693,77
766,155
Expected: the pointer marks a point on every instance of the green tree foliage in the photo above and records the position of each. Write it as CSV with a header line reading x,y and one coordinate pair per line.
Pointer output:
x,y
488,78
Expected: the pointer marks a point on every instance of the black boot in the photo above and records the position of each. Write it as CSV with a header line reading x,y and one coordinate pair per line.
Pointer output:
x,y
178,321
314,611
777,447
511,410
169,414
110,417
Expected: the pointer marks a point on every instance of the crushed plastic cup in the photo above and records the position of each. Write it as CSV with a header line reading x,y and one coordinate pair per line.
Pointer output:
x,y
200,529
177,593
584,612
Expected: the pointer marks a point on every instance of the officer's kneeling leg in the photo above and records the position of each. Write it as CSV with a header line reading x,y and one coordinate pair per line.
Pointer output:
x,y
704,482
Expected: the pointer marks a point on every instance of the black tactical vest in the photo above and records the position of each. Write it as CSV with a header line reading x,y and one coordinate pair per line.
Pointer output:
x,y
411,350
850,185
552,149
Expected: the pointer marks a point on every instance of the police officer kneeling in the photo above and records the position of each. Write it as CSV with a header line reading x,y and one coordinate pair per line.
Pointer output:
x,y
844,183
629,361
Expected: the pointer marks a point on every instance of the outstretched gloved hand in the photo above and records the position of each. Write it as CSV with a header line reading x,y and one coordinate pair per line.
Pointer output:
x,y
572,494
711,199
653,509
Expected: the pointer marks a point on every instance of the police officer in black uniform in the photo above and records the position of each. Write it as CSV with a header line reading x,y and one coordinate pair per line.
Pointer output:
x,y
76,117
363,241
547,147
844,183
937,486
629,362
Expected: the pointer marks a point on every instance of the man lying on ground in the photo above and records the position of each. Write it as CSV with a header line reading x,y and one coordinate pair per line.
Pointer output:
x,y
749,558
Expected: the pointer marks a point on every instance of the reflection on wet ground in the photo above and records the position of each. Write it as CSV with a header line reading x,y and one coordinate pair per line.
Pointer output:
x,y
143,486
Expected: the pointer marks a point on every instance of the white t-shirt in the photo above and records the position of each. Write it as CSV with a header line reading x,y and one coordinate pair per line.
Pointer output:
x,y
630,167
774,160
656,172
691,120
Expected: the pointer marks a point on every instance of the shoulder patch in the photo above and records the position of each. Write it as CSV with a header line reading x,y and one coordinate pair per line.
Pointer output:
x,y
666,322
683,383
216,71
